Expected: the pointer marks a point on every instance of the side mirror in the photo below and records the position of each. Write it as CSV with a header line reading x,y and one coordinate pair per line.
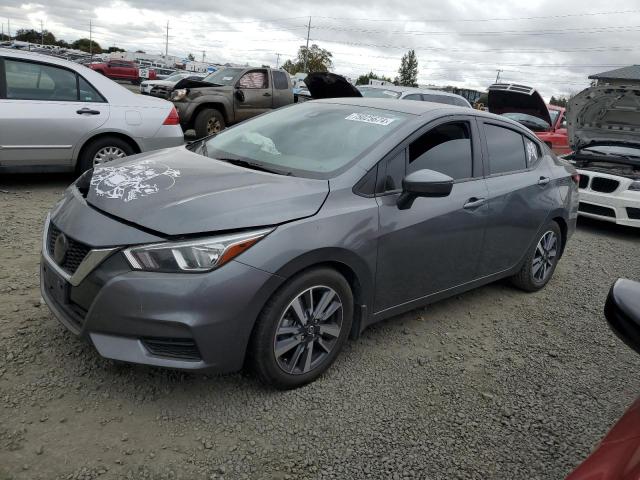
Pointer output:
x,y
423,183
622,311
239,94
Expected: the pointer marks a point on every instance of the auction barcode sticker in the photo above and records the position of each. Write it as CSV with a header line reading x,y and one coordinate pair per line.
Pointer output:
x,y
376,120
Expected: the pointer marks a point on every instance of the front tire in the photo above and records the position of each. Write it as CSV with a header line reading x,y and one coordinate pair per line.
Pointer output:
x,y
103,150
302,329
208,122
541,261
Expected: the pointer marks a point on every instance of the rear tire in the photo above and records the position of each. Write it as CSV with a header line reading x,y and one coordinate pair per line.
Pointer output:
x,y
208,122
302,329
101,151
541,261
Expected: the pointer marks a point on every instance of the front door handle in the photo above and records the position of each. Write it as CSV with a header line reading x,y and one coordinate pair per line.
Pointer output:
x,y
267,94
543,181
474,203
88,111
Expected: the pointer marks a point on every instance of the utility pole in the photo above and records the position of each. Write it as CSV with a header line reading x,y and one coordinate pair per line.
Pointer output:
x,y
90,39
9,28
203,52
166,46
498,76
306,52
277,60
41,33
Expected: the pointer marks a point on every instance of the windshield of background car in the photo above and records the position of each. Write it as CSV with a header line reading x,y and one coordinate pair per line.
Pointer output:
x,y
316,140
554,116
534,123
378,93
175,78
226,76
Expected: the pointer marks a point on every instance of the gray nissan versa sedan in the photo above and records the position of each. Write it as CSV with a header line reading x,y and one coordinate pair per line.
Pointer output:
x,y
272,242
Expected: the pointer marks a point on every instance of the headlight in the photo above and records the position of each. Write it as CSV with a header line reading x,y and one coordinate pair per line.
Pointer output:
x,y
178,94
635,186
202,255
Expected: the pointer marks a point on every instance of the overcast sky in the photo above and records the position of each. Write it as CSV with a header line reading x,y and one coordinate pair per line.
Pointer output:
x,y
547,44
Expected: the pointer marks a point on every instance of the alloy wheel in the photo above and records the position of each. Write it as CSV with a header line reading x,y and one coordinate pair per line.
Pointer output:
x,y
106,154
213,126
308,330
545,256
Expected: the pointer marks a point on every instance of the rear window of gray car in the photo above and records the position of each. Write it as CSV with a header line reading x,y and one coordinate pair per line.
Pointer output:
x,y
506,150
378,93
309,139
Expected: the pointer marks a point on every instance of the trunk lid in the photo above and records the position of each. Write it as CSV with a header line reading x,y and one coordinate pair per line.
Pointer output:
x,y
177,192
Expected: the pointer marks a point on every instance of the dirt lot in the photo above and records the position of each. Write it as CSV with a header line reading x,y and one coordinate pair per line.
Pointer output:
x,y
491,384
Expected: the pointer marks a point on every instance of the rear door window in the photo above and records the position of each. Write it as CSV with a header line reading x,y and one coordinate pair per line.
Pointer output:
x,y
445,149
506,150
280,80
36,81
413,96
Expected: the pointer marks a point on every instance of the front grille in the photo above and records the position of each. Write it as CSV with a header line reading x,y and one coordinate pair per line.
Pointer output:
x,y
584,181
633,213
179,348
604,185
596,210
160,91
75,252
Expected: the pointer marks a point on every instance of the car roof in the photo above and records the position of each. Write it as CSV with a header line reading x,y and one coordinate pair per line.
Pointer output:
x,y
397,88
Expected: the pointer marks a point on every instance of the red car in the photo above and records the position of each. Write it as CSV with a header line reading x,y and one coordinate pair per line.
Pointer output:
x,y
617,457
121,70
526,106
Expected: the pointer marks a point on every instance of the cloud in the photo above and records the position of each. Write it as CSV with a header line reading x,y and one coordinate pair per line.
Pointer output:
x,y
462,43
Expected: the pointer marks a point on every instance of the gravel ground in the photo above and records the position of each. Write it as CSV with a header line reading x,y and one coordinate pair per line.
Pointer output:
x,y
494,383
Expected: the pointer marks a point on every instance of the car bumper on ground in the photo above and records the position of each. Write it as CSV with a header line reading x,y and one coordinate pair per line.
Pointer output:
x,y
183,321
621,206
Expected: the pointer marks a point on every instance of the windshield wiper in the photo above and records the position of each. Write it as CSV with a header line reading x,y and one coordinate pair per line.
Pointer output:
x,y
253,166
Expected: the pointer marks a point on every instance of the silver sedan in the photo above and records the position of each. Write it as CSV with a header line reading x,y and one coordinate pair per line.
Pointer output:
x,y
57,115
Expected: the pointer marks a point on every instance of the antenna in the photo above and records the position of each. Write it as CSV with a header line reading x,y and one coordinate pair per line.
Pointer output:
x,y
306,52
498,76
277,60
166,45
41,33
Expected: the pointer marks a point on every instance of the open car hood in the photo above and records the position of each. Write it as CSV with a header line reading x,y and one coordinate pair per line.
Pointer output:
x,y
604,115
178,192
188,83
329,85
511,98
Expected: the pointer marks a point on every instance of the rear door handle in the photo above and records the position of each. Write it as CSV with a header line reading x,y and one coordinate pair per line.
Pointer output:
x,y
474,203
543,181
88,111
267,94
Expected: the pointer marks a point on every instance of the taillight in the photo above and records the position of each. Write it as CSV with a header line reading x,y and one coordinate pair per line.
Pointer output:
x,y
172,118
576,178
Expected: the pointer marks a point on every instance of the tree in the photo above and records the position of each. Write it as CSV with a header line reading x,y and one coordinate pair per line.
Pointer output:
x,y
191,57
140,51
84,44
115,49
560,101
408,71
4,37
63,44
33,36
364,79
317,60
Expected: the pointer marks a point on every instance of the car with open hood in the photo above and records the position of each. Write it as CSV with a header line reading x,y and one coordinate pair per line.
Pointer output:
x,y
163,87
604,132
411,93
272,242
526,106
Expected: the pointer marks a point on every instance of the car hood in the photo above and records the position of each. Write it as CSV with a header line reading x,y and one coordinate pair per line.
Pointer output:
x,y
164,83
510,98
177,192
604,115
189,83
329,85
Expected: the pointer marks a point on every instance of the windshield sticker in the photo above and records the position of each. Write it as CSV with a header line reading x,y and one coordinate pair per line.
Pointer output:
x,y
373,119
131,182
226,79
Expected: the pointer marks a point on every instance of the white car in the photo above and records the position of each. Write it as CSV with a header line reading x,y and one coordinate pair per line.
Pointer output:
x,y
602,127
57,115
166,85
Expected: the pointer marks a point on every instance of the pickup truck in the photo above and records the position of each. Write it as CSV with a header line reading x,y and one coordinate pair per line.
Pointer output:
x,y
229,96
122,70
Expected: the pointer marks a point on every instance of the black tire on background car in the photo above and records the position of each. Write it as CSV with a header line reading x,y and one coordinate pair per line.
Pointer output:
x,y
208,122
541,261
302,329
102,150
